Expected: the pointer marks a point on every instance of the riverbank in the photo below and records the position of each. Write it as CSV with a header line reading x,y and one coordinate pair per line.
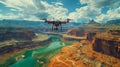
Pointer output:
x,y
37,57
73,38
45,53
13,48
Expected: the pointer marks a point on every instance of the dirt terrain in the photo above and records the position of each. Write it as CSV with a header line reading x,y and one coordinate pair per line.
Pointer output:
x,y
81,54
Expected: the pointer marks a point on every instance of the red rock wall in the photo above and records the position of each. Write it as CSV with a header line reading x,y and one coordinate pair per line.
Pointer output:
x,y
76,32
109,47
91,35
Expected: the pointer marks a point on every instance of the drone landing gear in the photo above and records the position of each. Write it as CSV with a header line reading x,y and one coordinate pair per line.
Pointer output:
x,y
57,28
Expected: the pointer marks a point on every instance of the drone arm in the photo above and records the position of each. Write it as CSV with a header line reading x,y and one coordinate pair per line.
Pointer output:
x,y
63,22
50,22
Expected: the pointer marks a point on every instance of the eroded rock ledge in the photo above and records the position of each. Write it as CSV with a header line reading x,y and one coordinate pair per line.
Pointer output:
x,y
75,34
107,43
82,55
37,41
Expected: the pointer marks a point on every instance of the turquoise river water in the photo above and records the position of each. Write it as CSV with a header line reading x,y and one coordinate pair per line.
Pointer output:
x,y
39,57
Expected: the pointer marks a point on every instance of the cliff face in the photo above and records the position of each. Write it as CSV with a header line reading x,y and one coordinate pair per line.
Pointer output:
x,y
73,38
21,45
76,32
107,44
24,35
20,38
6,49
81,55
91,35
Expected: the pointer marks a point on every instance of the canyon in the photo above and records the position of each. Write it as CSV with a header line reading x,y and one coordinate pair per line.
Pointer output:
x,y
99,49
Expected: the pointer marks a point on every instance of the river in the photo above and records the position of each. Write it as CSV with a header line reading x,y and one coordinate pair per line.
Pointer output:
x,y
40,56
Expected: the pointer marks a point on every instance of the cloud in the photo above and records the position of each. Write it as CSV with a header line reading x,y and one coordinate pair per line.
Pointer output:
x,y
93,11
111,15
36,8
101,3
57,3
9,16
26,7
85,13
41,15
13,9
56,12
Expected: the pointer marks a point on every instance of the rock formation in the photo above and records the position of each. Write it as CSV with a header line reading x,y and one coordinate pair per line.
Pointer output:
x,y
91,35
19,35
19,38
21,45
108,43
81,54
76,32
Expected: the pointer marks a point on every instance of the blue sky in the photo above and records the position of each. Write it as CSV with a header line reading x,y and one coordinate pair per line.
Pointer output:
x,y
79,10
71,5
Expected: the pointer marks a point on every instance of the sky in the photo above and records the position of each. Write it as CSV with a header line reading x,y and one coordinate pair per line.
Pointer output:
x,y
78,10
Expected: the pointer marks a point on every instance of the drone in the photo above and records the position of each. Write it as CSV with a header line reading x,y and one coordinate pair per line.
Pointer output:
x,y
56,25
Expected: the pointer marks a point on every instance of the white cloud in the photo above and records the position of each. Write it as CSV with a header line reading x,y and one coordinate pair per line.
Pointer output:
x,y
13,9
85,13
84,1
57,3
56,12
9,16
36,9
101,3
93,11
74,16
25,7
111,15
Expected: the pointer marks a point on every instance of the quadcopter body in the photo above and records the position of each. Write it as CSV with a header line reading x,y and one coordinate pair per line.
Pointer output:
x,y
56,25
